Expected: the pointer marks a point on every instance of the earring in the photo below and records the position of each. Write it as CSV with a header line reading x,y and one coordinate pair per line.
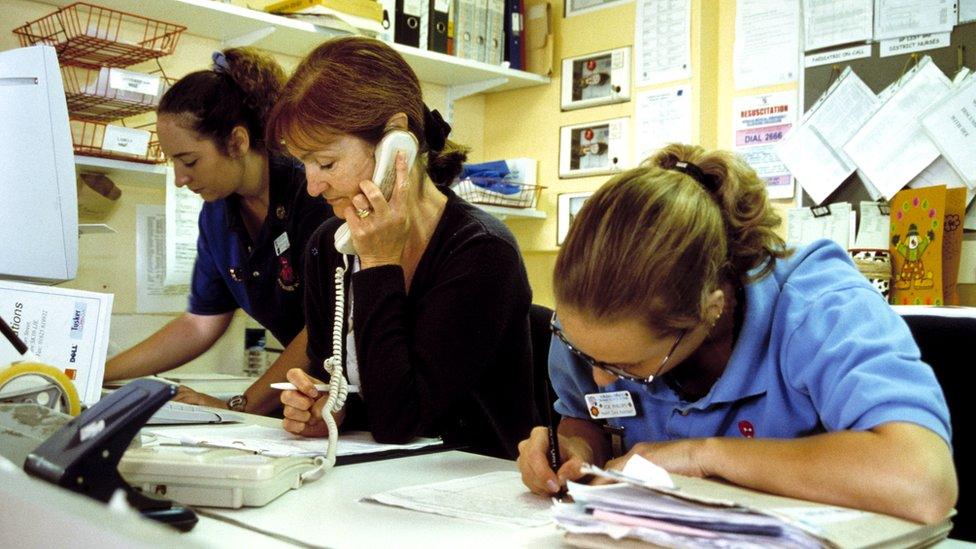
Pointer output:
x,y
715,320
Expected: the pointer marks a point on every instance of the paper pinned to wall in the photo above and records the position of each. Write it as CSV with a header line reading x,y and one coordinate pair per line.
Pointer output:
x,y
766,42
875,227
951,125
663,116
663,41
967,11
182,212
814,150
894,18
891,148
805,225
833,22
760,122
152,294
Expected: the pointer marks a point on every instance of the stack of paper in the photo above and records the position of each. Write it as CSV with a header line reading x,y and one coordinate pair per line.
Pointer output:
x,y
703,513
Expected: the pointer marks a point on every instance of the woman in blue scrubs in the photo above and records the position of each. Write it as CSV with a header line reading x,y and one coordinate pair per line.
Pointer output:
x,y
254,225
684,324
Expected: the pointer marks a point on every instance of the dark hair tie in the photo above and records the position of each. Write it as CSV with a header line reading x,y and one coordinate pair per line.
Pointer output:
x,y
436,129
709,182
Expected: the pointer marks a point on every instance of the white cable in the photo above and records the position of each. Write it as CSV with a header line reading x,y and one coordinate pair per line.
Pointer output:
x,y
338,386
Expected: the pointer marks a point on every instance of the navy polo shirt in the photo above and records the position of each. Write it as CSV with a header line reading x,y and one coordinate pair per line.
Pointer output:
x,y
233,271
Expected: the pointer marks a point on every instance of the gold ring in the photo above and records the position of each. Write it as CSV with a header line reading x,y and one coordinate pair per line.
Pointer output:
x,y
363,213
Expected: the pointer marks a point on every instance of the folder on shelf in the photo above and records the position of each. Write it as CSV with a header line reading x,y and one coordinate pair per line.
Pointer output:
x,y
407,22
515,34
538,37
437,15
388,22
495,32
367,9
466,29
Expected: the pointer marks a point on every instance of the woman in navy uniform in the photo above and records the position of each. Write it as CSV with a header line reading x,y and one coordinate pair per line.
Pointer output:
x,y
253,227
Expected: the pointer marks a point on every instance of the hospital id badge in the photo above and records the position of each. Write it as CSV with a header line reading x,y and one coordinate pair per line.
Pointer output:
x,y
281,244
607,405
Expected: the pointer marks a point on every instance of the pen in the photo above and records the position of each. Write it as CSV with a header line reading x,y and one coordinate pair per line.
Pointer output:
x,y
555,459
12,337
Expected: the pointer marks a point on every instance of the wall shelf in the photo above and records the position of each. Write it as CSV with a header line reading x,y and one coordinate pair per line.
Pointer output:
x,y
501,212
234,25
123,172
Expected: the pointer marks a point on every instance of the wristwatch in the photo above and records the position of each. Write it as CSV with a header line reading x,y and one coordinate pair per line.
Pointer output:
x,y
237,403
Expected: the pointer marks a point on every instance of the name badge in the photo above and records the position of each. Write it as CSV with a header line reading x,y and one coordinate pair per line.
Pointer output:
x,y
606,405
281,244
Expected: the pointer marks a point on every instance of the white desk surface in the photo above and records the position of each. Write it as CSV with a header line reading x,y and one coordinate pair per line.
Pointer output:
x,y
328,512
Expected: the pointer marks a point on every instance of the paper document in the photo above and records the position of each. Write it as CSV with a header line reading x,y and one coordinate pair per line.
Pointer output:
x,y
874,230
805,225
182,229
760,122
834,22
152,294
813,152
706,513
663,116
496,498
894,18
951,125
766,42
967,11
891,148
278,442
663,41
65,328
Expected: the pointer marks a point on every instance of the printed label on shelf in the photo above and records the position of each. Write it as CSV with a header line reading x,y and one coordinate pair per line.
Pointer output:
x,y
125,140
137,82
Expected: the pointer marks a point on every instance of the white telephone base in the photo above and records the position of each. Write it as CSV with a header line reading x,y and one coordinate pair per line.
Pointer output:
x,y
212,477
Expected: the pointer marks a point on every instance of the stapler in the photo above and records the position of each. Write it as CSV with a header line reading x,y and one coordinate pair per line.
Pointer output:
x,y
83,456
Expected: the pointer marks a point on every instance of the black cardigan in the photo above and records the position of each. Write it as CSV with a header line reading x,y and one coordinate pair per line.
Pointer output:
x,y
452,358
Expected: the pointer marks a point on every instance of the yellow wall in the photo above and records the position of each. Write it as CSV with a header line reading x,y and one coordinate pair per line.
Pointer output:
x,y
527,121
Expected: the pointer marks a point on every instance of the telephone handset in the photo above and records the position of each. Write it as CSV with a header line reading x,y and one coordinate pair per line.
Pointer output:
x,y
384,175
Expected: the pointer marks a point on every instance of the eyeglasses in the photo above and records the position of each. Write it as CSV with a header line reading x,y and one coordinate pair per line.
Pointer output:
x,y
613,368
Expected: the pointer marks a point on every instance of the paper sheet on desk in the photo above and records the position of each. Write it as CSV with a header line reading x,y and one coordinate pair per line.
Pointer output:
x,y
278,442
495,498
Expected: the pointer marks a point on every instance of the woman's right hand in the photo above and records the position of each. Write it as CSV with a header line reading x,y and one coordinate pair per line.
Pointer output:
x,y
303,407
533,461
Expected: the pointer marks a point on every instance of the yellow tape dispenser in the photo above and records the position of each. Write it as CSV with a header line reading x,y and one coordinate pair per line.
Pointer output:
x,y
31,381
41,384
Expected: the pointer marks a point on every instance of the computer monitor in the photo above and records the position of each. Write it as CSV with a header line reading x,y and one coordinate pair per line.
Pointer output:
x,y
38,193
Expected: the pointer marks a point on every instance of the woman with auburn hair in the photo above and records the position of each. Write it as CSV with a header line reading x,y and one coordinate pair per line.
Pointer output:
x,y
779,370
432,311
253,226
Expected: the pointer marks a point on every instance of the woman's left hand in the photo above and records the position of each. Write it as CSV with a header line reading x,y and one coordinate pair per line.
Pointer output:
x,y
380,236
682,457
189,396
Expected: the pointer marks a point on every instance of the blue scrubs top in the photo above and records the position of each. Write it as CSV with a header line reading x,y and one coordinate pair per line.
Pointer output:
x,y
233,271
819,350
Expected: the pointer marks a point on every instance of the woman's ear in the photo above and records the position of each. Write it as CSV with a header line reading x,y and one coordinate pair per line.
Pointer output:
x,y
714,306
398,121
239,142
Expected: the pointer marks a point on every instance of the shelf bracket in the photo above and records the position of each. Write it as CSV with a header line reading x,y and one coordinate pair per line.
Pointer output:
x,y
247,38
464,90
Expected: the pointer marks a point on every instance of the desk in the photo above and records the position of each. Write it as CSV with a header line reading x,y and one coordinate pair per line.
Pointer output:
x,y
328,512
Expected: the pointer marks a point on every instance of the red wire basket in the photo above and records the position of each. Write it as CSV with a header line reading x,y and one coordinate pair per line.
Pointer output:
x,y
90,95
88,136
92,36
